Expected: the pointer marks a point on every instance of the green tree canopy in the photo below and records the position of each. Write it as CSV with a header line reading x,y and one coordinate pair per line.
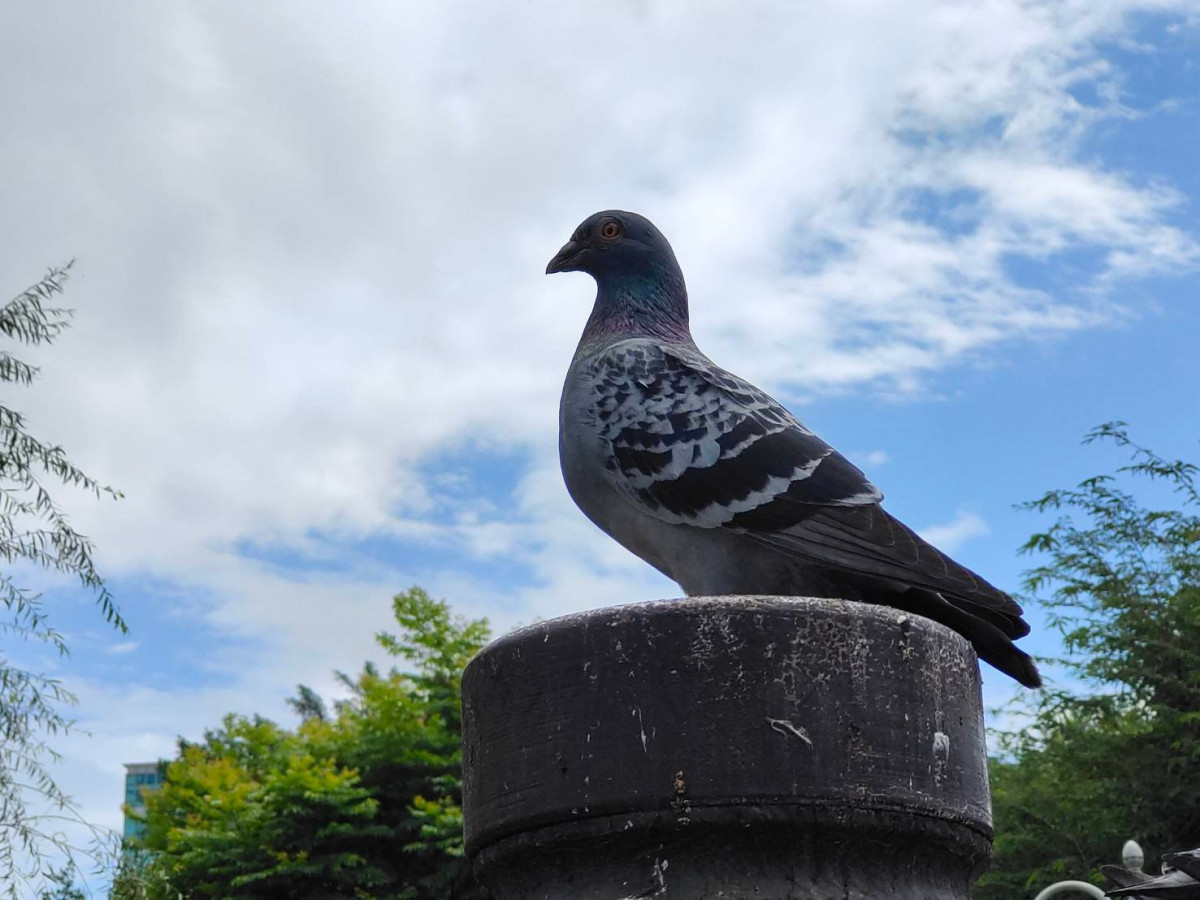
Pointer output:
x,y
363,803
1113,751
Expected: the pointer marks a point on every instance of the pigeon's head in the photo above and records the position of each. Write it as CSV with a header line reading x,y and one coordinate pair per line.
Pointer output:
x,y
640,287
615,244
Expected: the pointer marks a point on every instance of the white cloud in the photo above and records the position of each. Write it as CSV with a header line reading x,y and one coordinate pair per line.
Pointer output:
x,y
873,459
949,536
303,271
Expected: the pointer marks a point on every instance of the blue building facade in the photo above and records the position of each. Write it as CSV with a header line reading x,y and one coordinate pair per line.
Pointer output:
x,y
139,778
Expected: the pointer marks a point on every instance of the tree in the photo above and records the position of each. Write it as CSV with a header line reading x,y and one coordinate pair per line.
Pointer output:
x,y
253,812
35,531
1116,754
404,731
308,704
366,802
63,885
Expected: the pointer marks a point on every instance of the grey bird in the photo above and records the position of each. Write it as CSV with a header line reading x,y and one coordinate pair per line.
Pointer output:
x,y
1180,879
718,486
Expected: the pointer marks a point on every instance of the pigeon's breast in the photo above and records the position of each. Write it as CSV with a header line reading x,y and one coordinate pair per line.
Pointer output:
x,y
583,449
588,465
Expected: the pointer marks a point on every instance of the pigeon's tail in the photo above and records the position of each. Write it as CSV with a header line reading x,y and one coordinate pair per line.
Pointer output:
x,y
991,644
1008,659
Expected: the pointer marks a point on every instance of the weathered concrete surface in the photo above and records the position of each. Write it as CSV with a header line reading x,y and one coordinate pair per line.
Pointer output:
x,y
730,747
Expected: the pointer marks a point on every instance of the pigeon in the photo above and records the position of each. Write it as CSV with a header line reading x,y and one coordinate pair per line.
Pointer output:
x,y
714,483
1180,879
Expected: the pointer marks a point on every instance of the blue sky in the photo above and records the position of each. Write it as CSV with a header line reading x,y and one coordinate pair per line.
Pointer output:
x,y
315,348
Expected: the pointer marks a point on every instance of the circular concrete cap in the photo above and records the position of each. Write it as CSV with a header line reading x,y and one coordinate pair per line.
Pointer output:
x,y
673,737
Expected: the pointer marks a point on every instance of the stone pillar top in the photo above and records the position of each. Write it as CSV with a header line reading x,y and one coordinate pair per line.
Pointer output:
x,y
732,723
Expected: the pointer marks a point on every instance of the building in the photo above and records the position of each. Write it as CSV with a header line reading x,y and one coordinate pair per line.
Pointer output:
x,y
139,777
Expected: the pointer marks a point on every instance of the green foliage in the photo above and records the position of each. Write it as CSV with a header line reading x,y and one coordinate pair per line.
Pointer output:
x,y
32,526
253,812
34,531
1115,754
137,877
366,803
308,704
61,885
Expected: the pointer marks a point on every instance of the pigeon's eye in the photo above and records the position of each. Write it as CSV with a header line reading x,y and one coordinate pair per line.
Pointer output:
x,y
610,230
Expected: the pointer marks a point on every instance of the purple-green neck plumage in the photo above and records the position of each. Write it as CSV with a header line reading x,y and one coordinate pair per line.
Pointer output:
x,y
650,304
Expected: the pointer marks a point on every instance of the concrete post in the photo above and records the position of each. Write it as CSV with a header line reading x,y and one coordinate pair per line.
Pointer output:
x,y
732,747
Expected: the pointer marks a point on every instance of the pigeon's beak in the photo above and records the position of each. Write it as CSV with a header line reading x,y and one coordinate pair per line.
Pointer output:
x,y
563,259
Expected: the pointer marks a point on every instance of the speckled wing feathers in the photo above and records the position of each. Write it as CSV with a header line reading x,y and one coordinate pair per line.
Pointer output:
x,y
698,446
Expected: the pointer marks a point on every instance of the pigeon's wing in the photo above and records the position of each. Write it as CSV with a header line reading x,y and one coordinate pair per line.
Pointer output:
x,y
1186,861
870,541
693,444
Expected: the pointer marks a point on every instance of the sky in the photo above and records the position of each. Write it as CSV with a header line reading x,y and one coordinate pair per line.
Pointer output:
x,y
316,350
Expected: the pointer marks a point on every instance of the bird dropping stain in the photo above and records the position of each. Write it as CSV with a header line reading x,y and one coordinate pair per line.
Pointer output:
x,y
784,727
658,882
941,755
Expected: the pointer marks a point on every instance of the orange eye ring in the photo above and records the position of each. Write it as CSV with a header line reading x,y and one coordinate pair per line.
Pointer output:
x,y
610,230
